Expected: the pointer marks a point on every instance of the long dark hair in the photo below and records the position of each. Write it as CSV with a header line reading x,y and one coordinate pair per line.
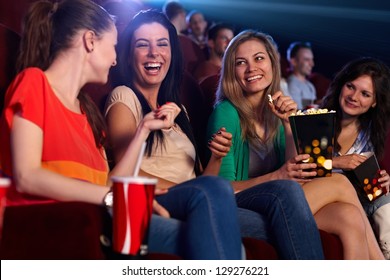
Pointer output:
x,y
49,28
123,74
375,119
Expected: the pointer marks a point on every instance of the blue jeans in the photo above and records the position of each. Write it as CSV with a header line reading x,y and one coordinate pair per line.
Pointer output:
x,y
204,222
371,206
291,225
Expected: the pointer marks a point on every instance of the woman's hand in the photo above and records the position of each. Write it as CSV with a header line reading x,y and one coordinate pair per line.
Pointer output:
x,y
348,162
220,143
158,209
282,106
162,118
385,181
295,169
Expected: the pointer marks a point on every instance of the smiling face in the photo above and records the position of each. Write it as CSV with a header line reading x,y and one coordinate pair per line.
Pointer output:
x,y
357,96
253,67
303,62
151,55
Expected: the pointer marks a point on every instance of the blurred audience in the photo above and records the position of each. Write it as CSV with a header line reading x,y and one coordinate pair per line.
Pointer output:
x,y
301,59
197,26
192,53
176,14
219,36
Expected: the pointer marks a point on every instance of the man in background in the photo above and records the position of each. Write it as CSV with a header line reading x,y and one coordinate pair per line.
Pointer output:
x,y
219,36
301,59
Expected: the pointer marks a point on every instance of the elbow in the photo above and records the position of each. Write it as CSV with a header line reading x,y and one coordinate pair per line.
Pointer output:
x,y
22,183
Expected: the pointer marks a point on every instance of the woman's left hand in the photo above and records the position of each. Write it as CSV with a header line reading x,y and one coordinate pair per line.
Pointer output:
x,y
385,181
220,143
283,106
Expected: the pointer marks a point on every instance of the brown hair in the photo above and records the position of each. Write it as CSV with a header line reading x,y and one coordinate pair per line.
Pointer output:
x,y
49,28
375,120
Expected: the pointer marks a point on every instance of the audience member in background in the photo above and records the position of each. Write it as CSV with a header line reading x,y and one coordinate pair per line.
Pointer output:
x,y
219,36
176,14
153,78
262,141
148,78
301,59
360,95
192,53
197,26
52,135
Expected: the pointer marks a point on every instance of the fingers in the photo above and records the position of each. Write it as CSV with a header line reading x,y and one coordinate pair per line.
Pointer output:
x,y
220,142
300,158
300,170
385,181
283,106
168,112
158,209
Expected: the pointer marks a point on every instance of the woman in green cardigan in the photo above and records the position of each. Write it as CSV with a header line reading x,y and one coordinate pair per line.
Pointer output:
x,y
252,108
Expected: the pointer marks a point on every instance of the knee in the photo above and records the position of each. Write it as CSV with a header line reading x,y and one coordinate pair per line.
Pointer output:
x,y
291,194
289,189
343,186
215,187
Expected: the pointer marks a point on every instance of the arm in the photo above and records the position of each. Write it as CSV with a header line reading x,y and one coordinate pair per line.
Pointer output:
x,y
293,169
283,106
123,130
31,178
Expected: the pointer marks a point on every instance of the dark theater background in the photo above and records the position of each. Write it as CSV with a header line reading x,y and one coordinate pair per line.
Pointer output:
x,y
338,30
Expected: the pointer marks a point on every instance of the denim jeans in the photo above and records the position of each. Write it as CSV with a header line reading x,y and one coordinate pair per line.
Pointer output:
x,y
203,224
371,206
291,225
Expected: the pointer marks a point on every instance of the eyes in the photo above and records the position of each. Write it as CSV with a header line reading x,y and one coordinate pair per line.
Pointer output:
x,y
146,44
364,93
257,59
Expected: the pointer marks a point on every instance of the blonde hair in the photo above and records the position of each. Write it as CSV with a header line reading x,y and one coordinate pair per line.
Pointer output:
x,y
230,89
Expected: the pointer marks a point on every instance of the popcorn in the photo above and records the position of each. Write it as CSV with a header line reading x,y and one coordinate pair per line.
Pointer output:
x,y
270,99
312,111
313,132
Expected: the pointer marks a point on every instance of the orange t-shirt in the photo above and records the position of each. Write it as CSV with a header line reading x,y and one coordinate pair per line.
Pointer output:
x,y
68,143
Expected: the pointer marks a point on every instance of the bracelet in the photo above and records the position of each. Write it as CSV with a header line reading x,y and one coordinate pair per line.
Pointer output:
x,y
108,199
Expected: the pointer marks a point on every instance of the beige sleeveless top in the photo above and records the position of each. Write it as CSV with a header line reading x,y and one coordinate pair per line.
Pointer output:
x,y
175,160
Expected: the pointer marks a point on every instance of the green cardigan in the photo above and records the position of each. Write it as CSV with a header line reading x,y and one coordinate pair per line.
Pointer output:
x,y
235,165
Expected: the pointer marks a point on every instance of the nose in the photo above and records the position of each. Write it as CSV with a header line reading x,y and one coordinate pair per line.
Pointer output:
x,y
353,95
113,63
251,67
152,51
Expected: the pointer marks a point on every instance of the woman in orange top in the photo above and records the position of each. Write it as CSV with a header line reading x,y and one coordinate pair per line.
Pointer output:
x,y
53,136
